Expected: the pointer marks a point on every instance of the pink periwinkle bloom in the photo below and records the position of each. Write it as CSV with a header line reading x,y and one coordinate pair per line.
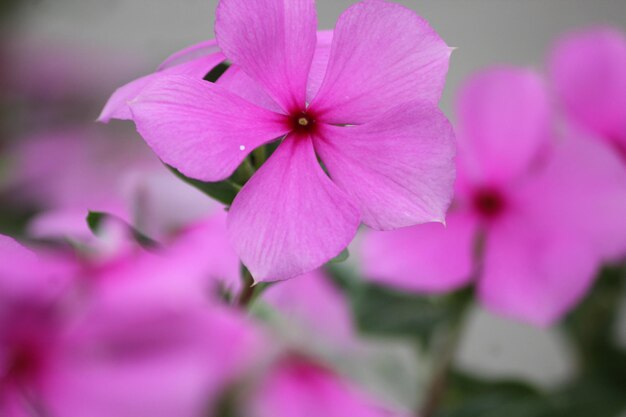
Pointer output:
x,y
367,108
588,69
297,387
134,347
534,217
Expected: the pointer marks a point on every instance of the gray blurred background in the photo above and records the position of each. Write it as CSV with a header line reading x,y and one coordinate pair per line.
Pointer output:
x,y
485,32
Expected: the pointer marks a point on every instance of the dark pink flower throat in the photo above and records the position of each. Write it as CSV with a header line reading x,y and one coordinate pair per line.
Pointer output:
x,y
489,202
302,122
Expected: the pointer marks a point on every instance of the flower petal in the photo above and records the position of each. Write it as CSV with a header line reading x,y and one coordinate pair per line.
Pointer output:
x,y
383,54
144,354
273,42
583,188
316,311
588,69
290,218
398,169
297,388
425,258
195,61
190,54
319,64
238,82
199,128
504,117
535,274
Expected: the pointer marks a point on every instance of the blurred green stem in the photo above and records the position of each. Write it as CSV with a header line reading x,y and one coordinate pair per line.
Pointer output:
x,y
444,350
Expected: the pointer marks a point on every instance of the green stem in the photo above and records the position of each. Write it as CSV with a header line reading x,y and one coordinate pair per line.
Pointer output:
x,y
446,349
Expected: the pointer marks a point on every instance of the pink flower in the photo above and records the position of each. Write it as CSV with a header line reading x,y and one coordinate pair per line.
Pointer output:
x,y
588,69
373,121
130,347
296,387
533,217
61,172
140,352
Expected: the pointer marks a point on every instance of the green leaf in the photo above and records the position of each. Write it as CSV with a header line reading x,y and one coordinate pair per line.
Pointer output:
x,y
469,396
223,191
591,396
591,326
95,220
342,257
387,312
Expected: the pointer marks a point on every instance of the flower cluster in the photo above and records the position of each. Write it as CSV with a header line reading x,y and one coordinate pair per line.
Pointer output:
x,y
126,292
539,206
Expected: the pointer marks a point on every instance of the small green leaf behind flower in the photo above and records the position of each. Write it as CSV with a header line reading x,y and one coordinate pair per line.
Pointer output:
x,y
96,219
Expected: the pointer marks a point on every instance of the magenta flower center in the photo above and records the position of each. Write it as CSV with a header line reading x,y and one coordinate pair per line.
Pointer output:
x,y
25,362
302,122
489,203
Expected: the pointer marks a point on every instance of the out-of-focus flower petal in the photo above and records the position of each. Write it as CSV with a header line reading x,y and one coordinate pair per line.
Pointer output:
x,y
273,42
290,218
315,308
190,54
195,61
583,188
29,275
296,388
383,54
205,244
504,120
398,169
59,169
201,129
588,69
425,258
148,356
534,273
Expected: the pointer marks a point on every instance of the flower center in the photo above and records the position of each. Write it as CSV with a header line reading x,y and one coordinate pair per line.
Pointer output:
x,y
621,148
24,362
489,203
302,122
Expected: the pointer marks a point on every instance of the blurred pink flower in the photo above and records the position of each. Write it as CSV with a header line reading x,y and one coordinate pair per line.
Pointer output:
x,y
588,69
542,215
373,121
296,387
140,352
316,310
133,347
66,173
